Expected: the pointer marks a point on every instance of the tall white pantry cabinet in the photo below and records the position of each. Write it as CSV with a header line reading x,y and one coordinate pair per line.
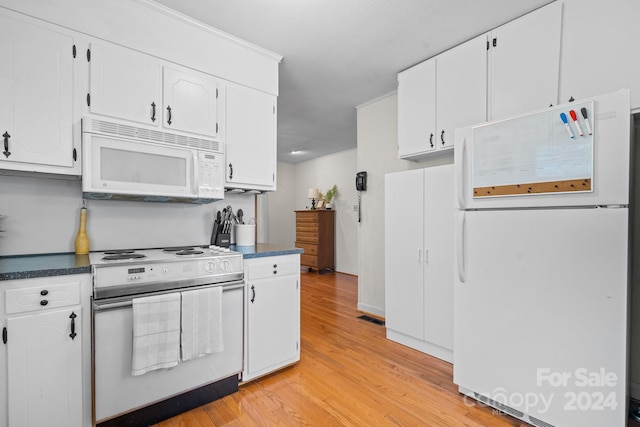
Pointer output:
x,y
419,212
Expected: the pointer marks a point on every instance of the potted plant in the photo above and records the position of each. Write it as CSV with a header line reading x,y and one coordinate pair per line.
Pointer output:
x,y
328,198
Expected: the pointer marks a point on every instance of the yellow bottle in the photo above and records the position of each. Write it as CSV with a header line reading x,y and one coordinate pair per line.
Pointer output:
x,y
82,240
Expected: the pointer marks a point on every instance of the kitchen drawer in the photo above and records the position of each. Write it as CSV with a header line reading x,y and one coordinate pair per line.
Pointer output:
x,y
307,216
307,248
42,297
310,237
264,268
309,260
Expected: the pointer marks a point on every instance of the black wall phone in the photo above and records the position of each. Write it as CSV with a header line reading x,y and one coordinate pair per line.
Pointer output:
x,y
361,185
361,181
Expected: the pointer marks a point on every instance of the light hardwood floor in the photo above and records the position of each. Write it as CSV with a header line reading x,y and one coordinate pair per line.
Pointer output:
x,y
349,375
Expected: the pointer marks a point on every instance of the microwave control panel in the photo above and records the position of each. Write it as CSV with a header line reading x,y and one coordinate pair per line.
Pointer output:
x,y
211,174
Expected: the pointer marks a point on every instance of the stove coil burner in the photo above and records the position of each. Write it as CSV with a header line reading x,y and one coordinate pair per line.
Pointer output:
x,y
121,256
189,251
119,251
178,249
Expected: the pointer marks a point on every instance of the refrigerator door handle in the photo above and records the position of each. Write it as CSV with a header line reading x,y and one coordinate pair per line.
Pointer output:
x,y
461,168
460,247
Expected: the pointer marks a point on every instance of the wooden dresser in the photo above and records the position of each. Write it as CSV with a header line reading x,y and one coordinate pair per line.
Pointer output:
x,y
315,235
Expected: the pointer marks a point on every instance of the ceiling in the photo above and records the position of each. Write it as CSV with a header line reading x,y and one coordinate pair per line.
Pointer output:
x,y
339,54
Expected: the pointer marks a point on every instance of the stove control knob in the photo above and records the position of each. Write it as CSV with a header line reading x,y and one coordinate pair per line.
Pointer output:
x,y
210,266
225,264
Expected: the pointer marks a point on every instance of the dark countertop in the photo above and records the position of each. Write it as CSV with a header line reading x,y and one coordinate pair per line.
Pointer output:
x,y
264,250
45,265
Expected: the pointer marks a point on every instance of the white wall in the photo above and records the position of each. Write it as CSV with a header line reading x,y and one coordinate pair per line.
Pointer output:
x,y
282,206
42,216
377,154
294,182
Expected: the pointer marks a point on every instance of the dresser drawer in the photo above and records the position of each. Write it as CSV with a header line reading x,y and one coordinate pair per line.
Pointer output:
x,y
309,260
307,227
308,249
264,268
309,237
307,216
42,297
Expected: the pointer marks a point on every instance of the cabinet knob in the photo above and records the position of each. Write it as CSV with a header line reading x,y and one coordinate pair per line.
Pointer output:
x,y
44,292
275,265
44,302
275,271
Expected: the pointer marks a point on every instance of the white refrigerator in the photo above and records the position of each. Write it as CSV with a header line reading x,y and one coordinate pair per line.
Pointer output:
x,y
541,263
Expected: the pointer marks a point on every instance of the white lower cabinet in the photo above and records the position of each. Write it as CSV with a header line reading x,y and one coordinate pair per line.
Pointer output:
x,y
419,259
45,356
272,324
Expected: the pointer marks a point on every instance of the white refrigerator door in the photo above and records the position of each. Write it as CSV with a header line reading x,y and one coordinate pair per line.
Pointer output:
x,y
541,312
611,124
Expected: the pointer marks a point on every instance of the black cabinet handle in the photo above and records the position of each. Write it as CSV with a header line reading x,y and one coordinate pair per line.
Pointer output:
x,y
253,294
73,325
6,151
431,140
44,302
169,117
153,111
442,136
230,171
44,292
4,335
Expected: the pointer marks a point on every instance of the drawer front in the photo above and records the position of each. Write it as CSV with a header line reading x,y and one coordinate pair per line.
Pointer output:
x,y
307,216
309,260
307,248
42,297
310,237
264,268
307,227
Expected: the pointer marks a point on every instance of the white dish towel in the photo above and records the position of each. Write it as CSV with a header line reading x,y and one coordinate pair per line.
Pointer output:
x,y
201,322
156,332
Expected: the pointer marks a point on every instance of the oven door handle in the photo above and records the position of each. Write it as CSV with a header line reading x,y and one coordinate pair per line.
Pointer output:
x,y
104,306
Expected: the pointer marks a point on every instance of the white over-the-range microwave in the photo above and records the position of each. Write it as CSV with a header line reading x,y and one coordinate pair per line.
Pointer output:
x,y
131,163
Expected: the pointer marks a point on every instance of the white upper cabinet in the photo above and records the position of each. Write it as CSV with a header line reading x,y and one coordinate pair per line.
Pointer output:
x,y
599,49
129,85
124,84
191,102
461,88
524,63
37,108
439,95
251,139
417,110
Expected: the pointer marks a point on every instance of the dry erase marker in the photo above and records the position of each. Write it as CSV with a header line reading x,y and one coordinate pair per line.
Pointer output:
x,y
563,116
583,110
574,117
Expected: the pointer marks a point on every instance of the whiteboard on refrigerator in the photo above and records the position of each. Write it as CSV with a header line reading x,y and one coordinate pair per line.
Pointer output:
x,y
535,153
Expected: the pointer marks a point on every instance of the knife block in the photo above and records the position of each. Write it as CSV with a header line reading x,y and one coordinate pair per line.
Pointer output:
x,y
223,239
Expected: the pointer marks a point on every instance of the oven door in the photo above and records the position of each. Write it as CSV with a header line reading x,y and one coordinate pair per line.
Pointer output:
x,y
117,392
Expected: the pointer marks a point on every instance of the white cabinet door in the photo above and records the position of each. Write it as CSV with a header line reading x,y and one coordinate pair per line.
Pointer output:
x,y
439,238
251,139
404,234
45,369
190,102
599,42
525,63
417,109
36,83
462,88
125,84
272,334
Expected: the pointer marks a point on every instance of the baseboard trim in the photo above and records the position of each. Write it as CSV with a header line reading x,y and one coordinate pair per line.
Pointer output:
x,y
371,309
